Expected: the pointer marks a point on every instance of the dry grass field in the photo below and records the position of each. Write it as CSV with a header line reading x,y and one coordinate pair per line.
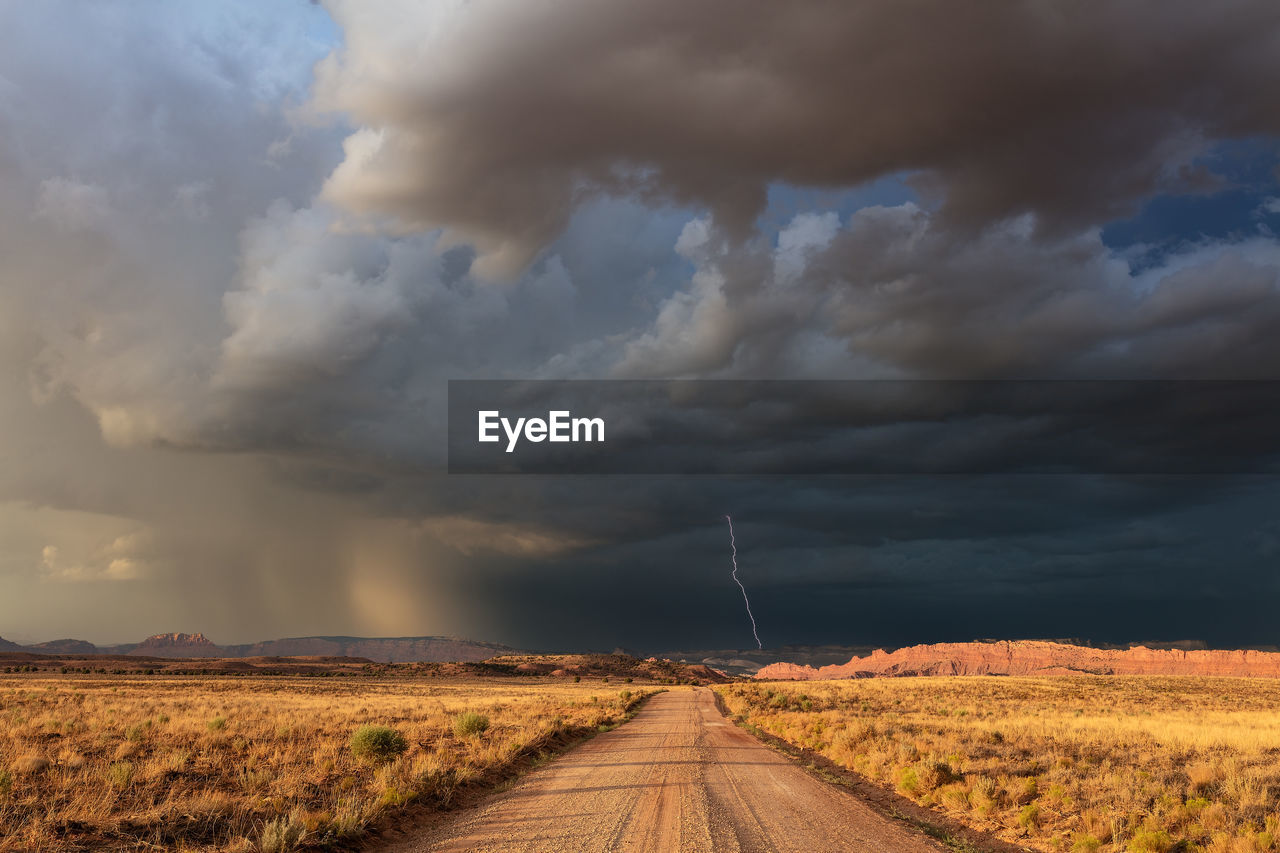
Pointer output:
x,y
271,764
1142,764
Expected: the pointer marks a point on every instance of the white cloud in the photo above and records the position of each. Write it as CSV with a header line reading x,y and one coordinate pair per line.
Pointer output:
x,y
311,302
88,558
807,233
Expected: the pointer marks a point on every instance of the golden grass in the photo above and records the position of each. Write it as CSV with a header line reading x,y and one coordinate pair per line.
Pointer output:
x,y
1087,763
109,763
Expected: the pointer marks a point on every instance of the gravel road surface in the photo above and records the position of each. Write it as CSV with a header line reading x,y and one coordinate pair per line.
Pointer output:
x,y
678,777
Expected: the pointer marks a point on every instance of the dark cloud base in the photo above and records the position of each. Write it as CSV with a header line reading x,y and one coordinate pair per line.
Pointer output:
x,y
900,560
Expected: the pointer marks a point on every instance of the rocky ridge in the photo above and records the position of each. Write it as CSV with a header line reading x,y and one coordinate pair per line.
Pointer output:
x,y
1035,657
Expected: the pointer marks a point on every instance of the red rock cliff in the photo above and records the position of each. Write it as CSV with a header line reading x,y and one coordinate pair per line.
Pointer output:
x,y
178,646
1033,657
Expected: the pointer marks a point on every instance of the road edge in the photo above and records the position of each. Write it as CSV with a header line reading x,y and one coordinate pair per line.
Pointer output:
x,y
957,836
420,817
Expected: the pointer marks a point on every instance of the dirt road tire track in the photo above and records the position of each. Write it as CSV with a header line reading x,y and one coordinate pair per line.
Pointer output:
x,y
678,777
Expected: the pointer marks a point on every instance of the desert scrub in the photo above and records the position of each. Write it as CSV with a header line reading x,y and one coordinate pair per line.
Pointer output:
x,y
120,774
282,834
377,743
278,772
1088,764
469,723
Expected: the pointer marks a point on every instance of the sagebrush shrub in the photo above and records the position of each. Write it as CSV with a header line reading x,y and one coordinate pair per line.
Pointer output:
x,y
470,723
120,774
378,743
282,834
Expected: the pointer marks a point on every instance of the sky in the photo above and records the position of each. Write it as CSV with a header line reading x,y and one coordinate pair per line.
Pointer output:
x,y
244,246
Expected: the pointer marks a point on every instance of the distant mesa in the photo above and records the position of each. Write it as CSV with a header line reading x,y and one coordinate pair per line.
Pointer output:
x,y
57,647
374,649
179,646
1036,657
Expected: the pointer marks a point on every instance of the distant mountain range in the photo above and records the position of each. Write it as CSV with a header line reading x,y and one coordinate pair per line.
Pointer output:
x,y
380,649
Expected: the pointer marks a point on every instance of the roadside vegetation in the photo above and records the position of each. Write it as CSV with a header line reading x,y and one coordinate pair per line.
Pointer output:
x,y
264,764
1070,763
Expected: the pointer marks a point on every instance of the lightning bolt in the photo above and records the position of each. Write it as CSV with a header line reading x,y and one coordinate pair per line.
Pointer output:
x,y
734,545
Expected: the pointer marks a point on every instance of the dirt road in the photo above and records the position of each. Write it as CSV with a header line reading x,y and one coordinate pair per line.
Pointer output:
x,y
677,777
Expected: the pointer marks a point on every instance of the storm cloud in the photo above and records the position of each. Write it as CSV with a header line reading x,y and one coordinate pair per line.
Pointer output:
x,y
245,247
496,120
894,291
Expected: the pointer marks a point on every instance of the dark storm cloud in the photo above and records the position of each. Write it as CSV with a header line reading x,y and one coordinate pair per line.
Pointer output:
x,y
324,339
900,560
906,289
494,120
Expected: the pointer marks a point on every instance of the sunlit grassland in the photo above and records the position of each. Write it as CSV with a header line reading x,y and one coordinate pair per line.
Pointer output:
x,y
106,763
1078,763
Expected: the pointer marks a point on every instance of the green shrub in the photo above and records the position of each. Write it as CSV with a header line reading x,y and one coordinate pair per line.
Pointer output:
x,y
377,743
470,723
1150,841
6,782
217,724
1086,844
120,774
908,781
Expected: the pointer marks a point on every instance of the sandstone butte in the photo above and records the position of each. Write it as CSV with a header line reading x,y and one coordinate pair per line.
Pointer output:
x,y
1034,657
